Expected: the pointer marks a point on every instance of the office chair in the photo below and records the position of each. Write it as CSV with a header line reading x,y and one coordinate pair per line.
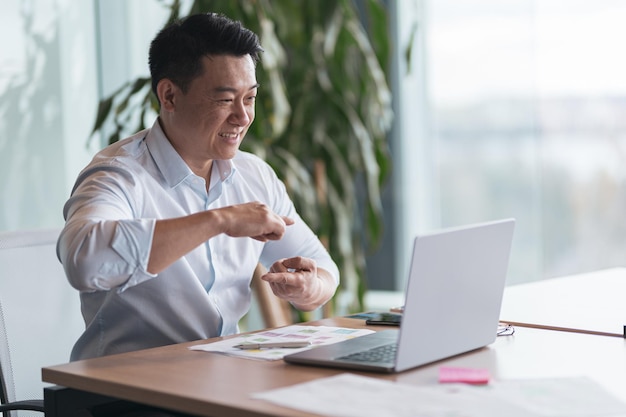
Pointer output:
x,y
39,317
7,389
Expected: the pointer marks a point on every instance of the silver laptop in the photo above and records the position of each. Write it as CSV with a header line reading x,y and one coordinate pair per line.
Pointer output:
x,y
452,304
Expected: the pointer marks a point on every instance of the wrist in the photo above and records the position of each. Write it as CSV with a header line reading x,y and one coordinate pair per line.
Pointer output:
x,y
322,293
214,222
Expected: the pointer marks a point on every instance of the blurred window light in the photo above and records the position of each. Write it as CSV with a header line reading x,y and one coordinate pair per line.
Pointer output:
x,y
527,103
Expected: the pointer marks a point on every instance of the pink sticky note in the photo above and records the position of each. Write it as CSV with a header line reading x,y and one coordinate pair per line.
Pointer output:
x,y
465,375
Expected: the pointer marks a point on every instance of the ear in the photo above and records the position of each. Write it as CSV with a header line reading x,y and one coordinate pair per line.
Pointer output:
x,y
166,91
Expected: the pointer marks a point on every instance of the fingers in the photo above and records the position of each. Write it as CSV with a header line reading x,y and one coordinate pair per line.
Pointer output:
x,y
293,279
295,272
298,263
254,220
275,234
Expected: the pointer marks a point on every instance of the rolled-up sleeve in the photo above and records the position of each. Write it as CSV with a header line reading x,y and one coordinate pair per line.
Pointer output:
x,y
101,246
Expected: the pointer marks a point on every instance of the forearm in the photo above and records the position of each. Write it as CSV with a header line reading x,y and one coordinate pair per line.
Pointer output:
x,y
174,238
101,254
129,248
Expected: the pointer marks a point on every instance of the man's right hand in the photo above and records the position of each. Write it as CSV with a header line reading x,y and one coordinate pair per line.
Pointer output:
x,y
253,220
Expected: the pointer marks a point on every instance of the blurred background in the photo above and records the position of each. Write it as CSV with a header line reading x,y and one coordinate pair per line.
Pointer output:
x,y
501,109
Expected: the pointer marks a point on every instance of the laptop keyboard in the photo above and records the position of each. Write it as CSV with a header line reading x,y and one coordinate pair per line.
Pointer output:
x,y
384,353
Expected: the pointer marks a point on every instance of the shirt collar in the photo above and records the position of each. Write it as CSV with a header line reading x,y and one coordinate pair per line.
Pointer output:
x,y
172,166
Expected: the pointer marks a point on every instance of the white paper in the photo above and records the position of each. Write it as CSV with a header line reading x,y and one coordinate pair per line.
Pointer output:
x,y
350,395
555,397
316,335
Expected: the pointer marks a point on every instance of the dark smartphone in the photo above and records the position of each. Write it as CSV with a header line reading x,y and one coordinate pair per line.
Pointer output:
x,y
388,319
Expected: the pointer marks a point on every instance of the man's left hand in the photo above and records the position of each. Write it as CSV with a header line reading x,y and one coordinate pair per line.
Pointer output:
x,y
299,281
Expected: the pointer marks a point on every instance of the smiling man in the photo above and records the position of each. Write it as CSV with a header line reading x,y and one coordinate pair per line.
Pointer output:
x,y
164,229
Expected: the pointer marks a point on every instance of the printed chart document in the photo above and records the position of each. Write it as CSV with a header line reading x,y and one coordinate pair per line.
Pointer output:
x,y
315,335
351,395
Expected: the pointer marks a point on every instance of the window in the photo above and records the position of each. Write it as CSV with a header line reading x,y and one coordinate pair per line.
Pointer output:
x,y
47,96
62,58
523,116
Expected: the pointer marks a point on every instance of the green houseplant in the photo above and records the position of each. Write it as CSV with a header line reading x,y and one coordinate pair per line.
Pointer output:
x,y
322,115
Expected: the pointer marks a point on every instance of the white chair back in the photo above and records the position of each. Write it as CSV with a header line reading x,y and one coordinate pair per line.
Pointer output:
x,y
41,311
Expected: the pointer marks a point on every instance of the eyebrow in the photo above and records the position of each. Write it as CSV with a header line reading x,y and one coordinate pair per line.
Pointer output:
x,y
226,89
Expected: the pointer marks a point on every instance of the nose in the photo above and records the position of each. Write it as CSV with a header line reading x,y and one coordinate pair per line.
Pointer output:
x,y
241,114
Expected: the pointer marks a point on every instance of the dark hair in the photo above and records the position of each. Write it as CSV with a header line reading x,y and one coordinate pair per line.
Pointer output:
x,y
176,52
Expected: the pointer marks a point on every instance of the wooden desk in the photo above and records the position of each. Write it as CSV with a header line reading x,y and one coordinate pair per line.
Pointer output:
x,y
590,303
207,384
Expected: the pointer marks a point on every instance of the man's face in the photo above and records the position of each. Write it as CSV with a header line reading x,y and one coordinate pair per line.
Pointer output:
x,y
211,119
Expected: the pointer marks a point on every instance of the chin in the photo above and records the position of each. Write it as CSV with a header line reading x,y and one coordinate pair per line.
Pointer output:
x,y
229,155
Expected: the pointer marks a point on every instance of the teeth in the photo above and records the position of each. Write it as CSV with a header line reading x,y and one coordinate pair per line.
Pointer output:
x,y
228,135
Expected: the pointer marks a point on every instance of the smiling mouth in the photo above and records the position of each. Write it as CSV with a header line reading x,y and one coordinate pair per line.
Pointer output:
x,y
229,135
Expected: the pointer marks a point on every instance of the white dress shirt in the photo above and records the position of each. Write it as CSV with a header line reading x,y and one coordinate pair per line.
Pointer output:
x,y
105,246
